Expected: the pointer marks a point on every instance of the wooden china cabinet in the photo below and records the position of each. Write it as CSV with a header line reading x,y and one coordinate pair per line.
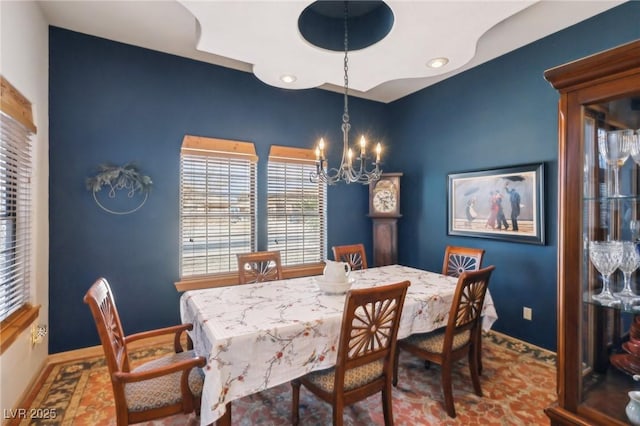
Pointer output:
x,y
599,120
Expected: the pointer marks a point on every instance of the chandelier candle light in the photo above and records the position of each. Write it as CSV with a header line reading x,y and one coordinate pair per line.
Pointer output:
x,y
346,172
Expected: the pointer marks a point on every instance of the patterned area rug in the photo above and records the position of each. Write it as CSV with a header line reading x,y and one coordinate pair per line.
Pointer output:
x,y
518,381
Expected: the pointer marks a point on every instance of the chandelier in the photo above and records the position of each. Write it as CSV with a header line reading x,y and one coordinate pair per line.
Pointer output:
x,y
347,172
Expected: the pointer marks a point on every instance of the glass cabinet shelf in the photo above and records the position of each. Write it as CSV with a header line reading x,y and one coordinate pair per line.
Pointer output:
x,y
603,199
631,307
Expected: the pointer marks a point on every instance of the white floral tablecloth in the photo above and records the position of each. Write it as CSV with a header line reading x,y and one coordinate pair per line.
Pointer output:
x,y
257,336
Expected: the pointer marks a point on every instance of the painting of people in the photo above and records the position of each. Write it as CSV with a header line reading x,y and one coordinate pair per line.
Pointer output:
x,y
502,203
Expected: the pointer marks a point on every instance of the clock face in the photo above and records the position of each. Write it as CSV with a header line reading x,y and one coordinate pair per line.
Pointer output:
x,y
385,197
384,201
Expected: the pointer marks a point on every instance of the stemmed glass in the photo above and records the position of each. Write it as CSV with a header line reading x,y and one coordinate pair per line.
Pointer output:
x,y
606,257
634,227
635,145
629,263
615,147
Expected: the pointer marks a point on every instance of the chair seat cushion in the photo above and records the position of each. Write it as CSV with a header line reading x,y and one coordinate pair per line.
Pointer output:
x,y
353,378
434,342
165,390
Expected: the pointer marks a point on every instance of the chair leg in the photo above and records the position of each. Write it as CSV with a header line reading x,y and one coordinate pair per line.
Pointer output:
x,y
122,415
387,404
338,408
295,401
447,389
473,369
479,351
395,366
197,403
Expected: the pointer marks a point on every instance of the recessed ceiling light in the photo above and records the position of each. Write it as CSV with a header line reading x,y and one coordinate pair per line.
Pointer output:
x,y
437,62
288,78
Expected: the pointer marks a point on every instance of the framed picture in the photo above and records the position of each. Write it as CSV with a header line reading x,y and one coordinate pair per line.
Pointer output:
x,y
502,204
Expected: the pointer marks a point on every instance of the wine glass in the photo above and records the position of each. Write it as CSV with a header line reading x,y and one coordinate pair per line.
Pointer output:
x,y
615,147
634,227
606,257
635,145
629,263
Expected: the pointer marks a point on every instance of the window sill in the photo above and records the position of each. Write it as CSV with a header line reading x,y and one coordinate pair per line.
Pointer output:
x,y
17,322
231,278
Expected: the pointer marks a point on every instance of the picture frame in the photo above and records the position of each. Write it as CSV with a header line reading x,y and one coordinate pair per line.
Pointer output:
x,y
481,202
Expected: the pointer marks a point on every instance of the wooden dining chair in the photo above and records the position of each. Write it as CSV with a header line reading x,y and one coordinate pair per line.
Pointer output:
x,y
366,348
458,260
353,254
162,387
259,266
458,338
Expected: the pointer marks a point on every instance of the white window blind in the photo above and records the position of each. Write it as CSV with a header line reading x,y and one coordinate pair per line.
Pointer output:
x,y
217,204
296,218
15,214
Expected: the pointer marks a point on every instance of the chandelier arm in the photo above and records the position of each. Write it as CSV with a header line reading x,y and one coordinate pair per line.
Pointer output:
x,y
333,176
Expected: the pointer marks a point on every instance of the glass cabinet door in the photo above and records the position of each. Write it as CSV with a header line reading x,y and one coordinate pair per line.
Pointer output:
x,y
610,325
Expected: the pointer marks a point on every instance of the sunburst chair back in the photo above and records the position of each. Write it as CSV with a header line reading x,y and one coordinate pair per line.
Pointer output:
x,y
353,254
365,358
259,266
460,259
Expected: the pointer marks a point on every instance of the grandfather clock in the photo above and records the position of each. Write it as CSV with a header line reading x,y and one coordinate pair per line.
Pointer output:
x,y
384,210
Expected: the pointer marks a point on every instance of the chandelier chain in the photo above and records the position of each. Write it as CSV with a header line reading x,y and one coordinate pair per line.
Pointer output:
x,y
345,116
346,172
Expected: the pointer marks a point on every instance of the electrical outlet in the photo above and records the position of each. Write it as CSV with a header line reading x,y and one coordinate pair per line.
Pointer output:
x,y
527,313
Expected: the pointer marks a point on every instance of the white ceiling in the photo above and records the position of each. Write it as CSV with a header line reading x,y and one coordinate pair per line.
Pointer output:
x,y
262,37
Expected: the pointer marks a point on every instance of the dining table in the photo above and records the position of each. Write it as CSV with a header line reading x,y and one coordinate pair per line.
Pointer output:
x,y
257,336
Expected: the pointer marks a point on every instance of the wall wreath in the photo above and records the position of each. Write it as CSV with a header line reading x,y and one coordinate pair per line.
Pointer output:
x,y
114,179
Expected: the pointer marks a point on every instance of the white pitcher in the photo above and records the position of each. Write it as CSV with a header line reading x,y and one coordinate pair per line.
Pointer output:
x,y
336,272
633,408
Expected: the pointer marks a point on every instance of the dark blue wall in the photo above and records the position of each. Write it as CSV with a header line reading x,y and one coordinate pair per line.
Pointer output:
x,y
116,103
499,114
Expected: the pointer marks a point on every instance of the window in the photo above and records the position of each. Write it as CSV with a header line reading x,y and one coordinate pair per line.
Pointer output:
x,y
217,204
296,218
16,128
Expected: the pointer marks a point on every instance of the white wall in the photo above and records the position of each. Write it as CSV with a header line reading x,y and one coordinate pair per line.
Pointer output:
x,y
24,62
